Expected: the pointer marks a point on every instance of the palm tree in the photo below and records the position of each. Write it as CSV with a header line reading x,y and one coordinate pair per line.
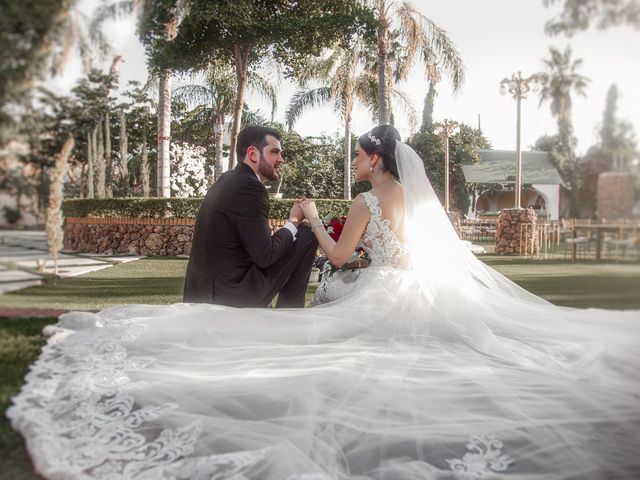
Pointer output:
x,y
419,37
215,99
122,8
560,81
164,122
343,84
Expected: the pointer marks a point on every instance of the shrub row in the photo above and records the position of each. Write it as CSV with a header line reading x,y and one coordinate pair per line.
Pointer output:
x,y
177,207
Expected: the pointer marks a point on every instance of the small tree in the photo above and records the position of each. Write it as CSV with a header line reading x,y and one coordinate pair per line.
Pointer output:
x,y
463,149
249,31
561,81
615,151
313,166
54,230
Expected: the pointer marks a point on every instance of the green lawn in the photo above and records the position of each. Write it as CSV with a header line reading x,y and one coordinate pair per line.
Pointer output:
x,y
160,281
586,284
20,343
157,280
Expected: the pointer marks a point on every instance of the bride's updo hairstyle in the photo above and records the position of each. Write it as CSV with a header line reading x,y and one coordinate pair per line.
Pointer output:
x,y
382,140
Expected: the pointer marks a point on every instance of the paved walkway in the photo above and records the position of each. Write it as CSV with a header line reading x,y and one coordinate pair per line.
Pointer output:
x,y
25,261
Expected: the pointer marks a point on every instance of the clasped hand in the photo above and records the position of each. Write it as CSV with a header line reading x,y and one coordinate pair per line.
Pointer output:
x,y
303,209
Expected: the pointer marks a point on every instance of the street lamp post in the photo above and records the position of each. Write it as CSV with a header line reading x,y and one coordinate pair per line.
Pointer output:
x,y
518,87
446,129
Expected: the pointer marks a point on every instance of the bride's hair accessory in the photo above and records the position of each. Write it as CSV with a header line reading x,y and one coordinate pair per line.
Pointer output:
x,y
373,138
381,140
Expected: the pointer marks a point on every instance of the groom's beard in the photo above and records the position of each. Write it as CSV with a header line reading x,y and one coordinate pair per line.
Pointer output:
x,y
267,171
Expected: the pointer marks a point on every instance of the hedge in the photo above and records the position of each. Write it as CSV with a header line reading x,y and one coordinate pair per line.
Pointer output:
x,y
177,207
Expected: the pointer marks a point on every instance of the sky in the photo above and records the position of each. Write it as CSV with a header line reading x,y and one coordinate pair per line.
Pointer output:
x,y
495,38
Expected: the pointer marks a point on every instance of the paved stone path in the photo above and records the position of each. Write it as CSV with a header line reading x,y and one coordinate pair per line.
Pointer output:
x,y
25,261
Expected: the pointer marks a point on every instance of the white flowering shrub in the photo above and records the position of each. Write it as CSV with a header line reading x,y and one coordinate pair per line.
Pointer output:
x,y
188,173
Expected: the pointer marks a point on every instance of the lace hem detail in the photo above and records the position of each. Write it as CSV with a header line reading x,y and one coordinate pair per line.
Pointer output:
x,y
77,409
484,457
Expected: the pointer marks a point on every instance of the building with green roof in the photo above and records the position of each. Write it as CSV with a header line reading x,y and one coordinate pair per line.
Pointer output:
x,y
493,180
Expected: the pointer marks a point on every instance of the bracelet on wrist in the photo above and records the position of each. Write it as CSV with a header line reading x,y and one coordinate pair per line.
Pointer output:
x,y
316,226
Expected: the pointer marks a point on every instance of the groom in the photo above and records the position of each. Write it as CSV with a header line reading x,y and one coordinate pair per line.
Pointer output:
x,y
234,258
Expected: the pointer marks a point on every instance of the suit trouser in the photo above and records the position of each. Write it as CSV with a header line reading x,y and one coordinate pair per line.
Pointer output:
x,y
289,276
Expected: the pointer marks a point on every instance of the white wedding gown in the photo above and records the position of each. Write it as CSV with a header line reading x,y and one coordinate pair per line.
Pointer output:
x,y
386,383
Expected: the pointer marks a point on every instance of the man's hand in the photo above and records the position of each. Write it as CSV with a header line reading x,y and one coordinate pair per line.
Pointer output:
x,y
295,214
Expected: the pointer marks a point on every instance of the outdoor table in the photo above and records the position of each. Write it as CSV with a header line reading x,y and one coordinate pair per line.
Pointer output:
x,y
599,229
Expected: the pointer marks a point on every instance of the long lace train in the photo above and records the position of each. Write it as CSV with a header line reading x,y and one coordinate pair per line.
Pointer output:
x,y
201,391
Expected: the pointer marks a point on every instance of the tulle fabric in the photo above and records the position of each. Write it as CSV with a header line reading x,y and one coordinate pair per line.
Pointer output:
x,y
444,371
365,388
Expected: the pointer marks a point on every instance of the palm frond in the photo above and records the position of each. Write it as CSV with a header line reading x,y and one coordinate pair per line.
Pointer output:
x,y
405,102
194,94
70,36
365,88
266,89
111,11
436,42
101,42
304,100
153,84
318,68
412,34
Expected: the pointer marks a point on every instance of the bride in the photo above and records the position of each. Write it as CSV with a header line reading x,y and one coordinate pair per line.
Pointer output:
x,y
429,366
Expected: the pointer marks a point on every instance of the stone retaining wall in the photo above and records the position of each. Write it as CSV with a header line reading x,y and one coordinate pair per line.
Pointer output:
x,y
133,236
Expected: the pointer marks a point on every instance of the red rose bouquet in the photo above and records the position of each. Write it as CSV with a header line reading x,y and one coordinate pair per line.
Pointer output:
x,y
334,225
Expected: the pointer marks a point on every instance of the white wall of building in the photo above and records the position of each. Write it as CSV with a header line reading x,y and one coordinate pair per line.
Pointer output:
x,y
551,195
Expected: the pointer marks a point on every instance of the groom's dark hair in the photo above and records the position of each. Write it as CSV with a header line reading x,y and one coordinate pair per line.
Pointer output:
x,y
253,136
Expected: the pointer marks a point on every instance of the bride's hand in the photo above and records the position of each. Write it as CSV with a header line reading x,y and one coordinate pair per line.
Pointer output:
x,y
309,209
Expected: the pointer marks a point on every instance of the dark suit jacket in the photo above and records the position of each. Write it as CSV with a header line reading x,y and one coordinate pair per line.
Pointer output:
x,y
232,243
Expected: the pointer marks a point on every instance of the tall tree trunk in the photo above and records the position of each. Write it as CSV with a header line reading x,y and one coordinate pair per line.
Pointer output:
x,y
108,155
100,171
164,136
55,234
241,56
81,181
427,112
347,158
124,144
144,167
91,140
384,110
218,132
163,179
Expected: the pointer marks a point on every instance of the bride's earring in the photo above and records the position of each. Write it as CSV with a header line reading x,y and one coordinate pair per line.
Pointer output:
x,y
371,169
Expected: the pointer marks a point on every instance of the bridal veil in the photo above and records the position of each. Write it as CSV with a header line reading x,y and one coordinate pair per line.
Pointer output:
x,y
444,371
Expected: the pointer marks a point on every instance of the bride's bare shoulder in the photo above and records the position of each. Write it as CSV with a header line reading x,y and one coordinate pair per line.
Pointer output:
x,y
391,193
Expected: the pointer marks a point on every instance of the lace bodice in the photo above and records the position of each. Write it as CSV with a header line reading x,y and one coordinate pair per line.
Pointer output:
x,y
378,240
